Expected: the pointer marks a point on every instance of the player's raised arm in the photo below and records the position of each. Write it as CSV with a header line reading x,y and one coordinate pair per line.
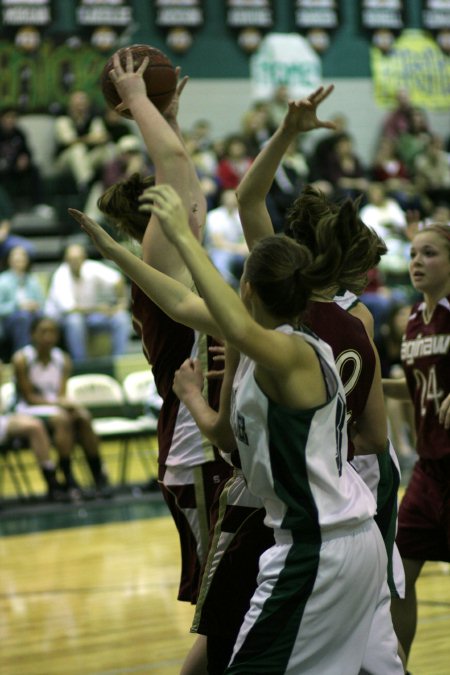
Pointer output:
x,y
170,159
254,187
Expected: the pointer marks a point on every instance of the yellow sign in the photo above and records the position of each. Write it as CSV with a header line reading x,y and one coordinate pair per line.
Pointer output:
x,y
415,63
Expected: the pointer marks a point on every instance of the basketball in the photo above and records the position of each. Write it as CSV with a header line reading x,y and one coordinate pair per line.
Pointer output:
x,y
159,77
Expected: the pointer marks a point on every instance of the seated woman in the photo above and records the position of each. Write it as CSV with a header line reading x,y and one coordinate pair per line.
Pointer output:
x,y
21,299
31,431
41,370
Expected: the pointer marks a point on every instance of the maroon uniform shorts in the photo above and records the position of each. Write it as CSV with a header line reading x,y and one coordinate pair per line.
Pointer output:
x,y
424,513
190,506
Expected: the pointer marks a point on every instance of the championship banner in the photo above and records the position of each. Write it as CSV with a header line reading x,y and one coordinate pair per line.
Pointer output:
x,y
415,63
17,13
316,21
250,19
104,23
179,19
383,20
436,18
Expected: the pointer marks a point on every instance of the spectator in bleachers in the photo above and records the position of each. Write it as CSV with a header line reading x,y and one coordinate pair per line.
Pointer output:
x,y
278,104
383,213
130,159
389,169
432,171
412,142
87,296
201,134
41,370
389,221
319,156
234,162
21,299
257,127
19,175
224,238
31,431
82,141
385,216
205,161
397,121
289,179
440,214
344,169
8,241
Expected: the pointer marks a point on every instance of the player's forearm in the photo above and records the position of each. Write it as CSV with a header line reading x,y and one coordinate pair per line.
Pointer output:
x,y
173,297
161,141
214,425
224,304
254,187
258,179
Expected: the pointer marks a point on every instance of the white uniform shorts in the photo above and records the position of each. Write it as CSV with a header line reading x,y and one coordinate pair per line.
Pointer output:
x,y
320,609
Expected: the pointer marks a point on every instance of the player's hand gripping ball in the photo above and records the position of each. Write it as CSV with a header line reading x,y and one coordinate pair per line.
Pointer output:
x,y
159,76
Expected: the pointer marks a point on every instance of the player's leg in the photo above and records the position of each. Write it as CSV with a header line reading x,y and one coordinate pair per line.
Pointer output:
x,y
196,661
404,610
382,655
33,429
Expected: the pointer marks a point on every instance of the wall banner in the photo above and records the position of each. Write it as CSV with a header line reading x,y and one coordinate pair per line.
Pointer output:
x,y
317,21
415,63
288,59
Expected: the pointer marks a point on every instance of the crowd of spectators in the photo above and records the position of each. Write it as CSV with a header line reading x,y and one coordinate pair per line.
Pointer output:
x,y
405,182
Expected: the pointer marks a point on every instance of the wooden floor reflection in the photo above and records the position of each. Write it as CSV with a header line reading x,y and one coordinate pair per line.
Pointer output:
x,y
100,600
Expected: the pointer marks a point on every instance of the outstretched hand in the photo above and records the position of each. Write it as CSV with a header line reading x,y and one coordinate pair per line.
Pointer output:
x,y
102,241
302,114
128,82
166,205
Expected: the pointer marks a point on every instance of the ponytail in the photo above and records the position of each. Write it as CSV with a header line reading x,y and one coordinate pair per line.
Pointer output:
x,y
343,247
120,204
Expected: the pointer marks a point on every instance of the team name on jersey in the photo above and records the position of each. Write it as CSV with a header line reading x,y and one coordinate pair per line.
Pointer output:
x,y
429,345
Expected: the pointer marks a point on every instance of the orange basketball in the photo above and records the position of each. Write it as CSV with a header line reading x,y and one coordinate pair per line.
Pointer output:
x,y
159,77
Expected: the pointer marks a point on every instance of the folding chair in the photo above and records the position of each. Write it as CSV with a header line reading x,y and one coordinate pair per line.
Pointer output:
x,y
105,399
144,404
140,391
10,451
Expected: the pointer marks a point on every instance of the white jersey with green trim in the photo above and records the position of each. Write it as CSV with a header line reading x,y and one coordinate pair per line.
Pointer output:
x,y
296,460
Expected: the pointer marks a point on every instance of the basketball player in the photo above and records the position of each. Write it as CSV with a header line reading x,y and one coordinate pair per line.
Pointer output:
x,y
190,468
424,514
376,461
288,418
236,535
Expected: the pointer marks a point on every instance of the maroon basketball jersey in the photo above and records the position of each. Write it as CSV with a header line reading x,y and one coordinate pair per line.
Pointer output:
x,y
352,349
166,344
425,359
